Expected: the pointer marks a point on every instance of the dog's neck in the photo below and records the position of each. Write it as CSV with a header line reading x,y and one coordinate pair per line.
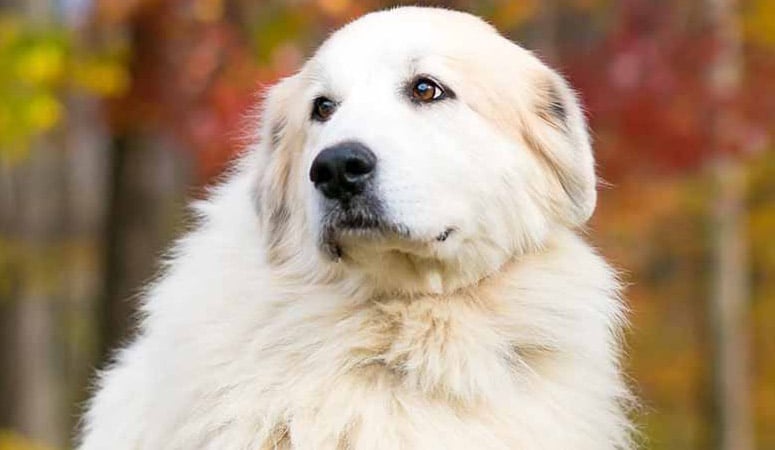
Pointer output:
x,y
451,345
402,274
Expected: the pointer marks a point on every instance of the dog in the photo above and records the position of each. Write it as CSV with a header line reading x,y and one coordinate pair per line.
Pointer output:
x,y
397,263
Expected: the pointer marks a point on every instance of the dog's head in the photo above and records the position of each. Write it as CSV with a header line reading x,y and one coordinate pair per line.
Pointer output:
x,y
422,150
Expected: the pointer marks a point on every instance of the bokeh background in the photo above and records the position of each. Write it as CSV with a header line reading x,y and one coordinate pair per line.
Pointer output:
x,y
114,112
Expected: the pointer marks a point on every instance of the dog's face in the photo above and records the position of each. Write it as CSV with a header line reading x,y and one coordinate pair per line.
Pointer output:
x,y
422,149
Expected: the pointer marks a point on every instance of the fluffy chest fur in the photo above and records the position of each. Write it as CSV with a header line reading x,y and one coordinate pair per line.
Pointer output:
x,y
525,359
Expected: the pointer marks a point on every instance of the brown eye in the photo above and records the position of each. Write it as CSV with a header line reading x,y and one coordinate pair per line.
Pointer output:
x,y
426,90
323,108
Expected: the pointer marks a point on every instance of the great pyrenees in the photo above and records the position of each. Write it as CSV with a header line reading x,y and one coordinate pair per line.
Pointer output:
x,y
396,264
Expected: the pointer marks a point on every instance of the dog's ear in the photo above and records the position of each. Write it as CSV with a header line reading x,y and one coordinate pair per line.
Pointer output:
x,y
534,104
282,114
281,134
281,137
557,131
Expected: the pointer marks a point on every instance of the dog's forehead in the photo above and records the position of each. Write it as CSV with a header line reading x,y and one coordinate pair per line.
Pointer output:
x,y
396,36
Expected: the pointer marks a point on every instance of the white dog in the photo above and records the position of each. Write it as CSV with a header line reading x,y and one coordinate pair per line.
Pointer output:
x,y
395,265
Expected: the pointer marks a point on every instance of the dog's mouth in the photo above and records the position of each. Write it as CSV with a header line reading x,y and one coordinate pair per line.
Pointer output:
x,y
358,226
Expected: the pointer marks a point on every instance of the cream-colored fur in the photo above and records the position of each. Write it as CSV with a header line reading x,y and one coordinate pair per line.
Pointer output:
x,y
506,335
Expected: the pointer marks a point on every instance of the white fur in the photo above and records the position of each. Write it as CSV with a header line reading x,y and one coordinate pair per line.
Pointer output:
x,y
504,336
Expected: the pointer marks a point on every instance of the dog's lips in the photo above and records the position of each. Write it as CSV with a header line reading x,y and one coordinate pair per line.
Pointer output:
x,y
365,226
382,236
376,229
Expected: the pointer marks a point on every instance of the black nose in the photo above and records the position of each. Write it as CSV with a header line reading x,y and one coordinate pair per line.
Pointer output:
x,y
343,170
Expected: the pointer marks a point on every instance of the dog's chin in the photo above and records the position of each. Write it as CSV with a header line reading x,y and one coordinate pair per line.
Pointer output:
x,y
350,234
399,260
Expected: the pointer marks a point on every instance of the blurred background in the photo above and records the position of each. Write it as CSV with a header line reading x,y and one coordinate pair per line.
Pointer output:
x,y
114,112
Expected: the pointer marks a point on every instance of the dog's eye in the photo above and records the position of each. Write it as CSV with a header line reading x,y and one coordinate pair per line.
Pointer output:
x,y
426,90
323,108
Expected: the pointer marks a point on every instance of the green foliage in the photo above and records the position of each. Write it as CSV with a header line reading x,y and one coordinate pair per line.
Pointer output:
x,y
32,68
38,65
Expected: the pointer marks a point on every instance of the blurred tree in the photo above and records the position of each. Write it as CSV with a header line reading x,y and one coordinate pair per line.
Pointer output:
x,y
730,300
33,218
51,207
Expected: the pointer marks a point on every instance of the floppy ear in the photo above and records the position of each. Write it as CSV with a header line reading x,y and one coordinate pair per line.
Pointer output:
x,y
531,102
281,137
557,131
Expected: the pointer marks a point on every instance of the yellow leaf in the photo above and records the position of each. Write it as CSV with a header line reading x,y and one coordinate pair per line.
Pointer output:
x,y
759,22
43,112
105,78
41,64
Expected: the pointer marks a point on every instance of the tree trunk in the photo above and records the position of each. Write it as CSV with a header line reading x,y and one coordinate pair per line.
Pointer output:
x,y
730,310
730,290
145,203
51,209
39,231
32,227
51,222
